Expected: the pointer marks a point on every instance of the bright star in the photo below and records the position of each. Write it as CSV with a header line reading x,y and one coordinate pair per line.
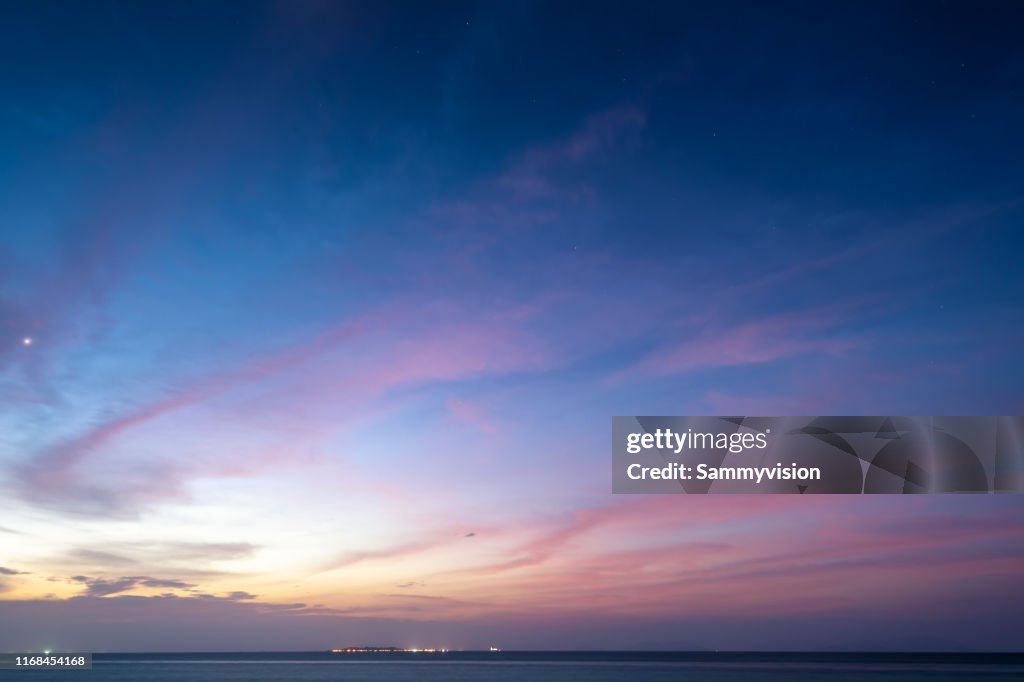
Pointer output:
x,y
27,341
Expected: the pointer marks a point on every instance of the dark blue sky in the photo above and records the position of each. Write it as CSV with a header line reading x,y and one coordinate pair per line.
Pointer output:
x,y
279,251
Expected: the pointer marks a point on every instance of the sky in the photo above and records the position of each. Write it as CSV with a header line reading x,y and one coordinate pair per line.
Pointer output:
x,y
313,317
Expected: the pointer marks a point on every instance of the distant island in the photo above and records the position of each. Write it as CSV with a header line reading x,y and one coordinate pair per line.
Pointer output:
x,y
385,650
396,650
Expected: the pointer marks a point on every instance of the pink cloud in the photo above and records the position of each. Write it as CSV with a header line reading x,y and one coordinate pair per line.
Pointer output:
x,y
537,173
471,415
599,133
748,343
550,538
800,557
535,187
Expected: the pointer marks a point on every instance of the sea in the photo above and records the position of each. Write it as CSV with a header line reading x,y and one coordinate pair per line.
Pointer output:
x,y
565,666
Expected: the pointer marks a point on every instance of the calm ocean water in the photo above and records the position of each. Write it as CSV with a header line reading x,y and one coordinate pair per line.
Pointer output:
x,y
553,666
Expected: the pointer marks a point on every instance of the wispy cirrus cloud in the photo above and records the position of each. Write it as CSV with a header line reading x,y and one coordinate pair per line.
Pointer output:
x,y
748,342
536,174
734,558
426,351
470,414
